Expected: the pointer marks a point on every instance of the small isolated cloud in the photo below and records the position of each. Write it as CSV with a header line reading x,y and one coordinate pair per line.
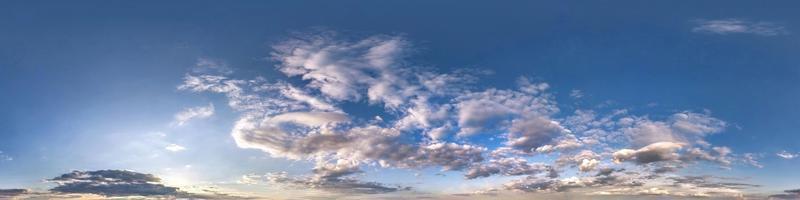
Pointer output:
x,y
193,113
174,147
734,26
787,155
112,183
5,157
751,159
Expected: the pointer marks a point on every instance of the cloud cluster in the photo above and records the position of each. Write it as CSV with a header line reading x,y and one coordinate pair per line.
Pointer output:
x,y
509,167
111,183
421,118
730,26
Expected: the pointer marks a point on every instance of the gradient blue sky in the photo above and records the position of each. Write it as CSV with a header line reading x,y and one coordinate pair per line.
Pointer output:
x,y
92,85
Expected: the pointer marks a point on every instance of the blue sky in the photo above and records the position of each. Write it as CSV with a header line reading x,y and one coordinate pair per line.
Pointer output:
x,y
93,85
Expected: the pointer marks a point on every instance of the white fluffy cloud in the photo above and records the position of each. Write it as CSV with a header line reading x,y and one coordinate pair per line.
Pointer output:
x,y
659,151
174,147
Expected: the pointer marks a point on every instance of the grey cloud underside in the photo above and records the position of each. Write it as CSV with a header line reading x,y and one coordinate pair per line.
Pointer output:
x,y
119,183
429,118
12,192
788,194
111,183
334,178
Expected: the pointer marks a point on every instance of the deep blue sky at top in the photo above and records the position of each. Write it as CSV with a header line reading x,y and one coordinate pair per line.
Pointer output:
x,y
69,68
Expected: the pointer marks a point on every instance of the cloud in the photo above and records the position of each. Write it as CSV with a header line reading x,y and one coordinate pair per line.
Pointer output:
x,y
682,127
536,184
718,155
328,177
656,152
751,159
303,135
5,157
507,167
788,194
740,26
787,155
420,118
493,109
567,142
12,192
211,66
576,94
193,113
529,133
111,183
174,148
346,70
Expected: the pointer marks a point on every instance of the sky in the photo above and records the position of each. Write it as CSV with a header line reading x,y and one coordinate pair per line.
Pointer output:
x,y
399,99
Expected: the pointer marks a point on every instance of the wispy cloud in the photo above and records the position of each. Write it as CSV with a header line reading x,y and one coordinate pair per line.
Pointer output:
x,y
734,26
787,155
5,157
577,94
189,114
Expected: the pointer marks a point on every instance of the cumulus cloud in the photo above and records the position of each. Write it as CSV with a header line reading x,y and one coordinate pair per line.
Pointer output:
x,y
345,70
683,127
530,133
111,183
656,152
732,26
507,167
585,160
493,109
193,113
